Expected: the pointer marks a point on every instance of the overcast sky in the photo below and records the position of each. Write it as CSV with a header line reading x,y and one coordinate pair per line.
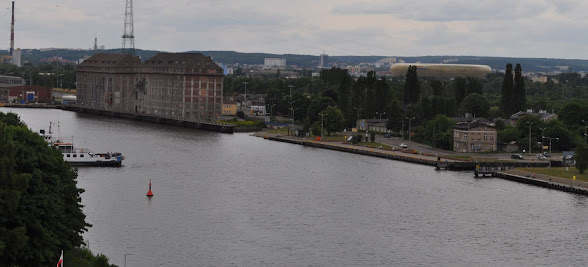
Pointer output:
x,y
524,28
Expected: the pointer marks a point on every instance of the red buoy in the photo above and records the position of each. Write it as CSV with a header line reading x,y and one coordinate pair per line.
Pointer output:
x,y
149,194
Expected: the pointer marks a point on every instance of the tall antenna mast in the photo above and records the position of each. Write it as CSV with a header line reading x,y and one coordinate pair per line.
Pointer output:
x,y
12,31
128,45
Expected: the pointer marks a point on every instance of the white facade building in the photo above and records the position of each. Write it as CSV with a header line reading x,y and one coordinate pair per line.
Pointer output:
x,y
274,62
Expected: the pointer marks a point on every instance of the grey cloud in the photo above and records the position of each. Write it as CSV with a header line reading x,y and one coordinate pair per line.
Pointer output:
x,y
431,10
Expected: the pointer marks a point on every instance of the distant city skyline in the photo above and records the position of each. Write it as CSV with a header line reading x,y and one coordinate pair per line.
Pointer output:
x,y
348,27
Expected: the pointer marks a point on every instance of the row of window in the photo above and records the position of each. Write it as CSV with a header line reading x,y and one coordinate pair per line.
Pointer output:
x,y
74,155
473,147
465,136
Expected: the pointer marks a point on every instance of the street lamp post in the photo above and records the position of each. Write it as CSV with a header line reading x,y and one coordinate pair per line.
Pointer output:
x,y
409,125
377,113
556,138
245,83
358,112
322,123
584,131
530,123
290,86
126,258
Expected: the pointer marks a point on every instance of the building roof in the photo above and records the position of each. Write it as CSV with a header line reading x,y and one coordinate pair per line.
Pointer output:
x,y
181,60
470,119
111,60
472,125
442,70
542,114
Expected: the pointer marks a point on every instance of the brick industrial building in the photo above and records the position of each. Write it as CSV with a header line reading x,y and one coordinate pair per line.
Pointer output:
x,y
26,94
179,86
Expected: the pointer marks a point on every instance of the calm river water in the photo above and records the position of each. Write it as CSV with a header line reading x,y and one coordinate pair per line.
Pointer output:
x,y
238,200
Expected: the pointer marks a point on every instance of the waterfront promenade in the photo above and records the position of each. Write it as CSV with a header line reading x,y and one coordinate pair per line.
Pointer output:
x,y
409,155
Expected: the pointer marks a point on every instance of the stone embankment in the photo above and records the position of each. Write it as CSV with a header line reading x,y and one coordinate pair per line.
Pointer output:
x,y
517,175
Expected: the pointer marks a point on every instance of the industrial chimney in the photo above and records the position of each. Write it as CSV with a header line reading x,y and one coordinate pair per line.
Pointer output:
x,y
12,31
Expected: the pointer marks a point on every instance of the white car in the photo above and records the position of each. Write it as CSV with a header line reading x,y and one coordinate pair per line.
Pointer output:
x,y
403,145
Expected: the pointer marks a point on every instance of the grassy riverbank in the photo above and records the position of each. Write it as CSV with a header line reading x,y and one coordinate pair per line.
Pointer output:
x,y
559,172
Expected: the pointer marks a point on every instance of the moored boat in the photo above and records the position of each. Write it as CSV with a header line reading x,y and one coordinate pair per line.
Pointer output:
x,y
82,156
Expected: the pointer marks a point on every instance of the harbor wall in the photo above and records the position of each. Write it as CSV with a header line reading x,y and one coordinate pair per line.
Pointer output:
x,y
542,183
203,125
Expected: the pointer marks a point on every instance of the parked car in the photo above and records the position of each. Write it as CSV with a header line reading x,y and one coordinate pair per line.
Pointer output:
x,y
516,156
541,157
403,145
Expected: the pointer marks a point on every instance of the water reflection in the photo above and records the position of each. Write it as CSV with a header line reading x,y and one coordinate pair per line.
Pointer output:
x,y
240,200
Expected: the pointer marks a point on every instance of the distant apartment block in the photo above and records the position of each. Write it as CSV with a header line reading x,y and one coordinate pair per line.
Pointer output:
x,y
10,81
324,61
274,62
388,60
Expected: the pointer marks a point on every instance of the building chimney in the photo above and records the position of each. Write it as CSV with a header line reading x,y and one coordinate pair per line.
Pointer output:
x,y
12,31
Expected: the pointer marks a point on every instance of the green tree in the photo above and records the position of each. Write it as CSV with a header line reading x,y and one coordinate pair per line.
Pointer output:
x,y
438,87
523,125
474,86
334,120
581,156
519,93
395,115
412,86
475,104
460,88
507,98
508,134
573,113
557,129
438,132
40,210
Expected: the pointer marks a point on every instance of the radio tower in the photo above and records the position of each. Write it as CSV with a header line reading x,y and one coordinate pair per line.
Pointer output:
x,y
128,45
12,31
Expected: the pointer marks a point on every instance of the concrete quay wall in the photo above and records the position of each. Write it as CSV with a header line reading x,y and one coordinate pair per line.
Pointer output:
x,y
542,183
223,128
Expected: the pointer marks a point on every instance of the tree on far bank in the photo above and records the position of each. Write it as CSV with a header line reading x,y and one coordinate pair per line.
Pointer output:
x,y
519,94
333,119
460,88
507,99
475,104
581,156
412,86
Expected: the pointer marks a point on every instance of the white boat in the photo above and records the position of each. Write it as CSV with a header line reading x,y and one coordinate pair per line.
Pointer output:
x,y
82,156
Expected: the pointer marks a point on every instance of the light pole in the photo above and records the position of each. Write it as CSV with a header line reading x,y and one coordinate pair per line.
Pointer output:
x,y
409,124
530,123
358,112
584,131
245,83
126,258
272,111
290,86
542,129
377,113
556,138
322,124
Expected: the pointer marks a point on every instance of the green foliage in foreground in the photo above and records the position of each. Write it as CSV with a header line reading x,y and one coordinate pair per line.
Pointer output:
x,y
40,210
84,257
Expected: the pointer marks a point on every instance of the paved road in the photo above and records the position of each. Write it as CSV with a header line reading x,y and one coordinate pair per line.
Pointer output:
x,y
396,141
